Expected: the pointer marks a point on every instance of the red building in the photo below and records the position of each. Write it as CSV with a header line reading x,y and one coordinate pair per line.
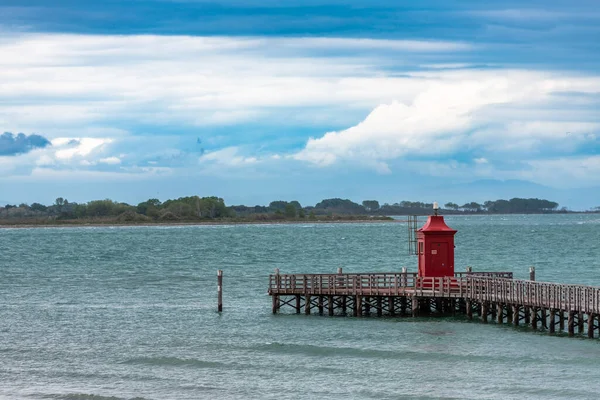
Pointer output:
x,y
436,248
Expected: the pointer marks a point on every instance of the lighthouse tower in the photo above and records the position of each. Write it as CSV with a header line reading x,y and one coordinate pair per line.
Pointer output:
x,y
435,241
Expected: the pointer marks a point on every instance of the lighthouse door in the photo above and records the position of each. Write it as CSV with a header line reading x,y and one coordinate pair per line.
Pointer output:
x,y
439,259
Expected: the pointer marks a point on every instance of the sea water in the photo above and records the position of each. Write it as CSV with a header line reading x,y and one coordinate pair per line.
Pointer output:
x,y
130,312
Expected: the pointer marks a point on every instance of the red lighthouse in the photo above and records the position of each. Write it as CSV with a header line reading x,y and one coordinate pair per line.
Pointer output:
x,y
436,247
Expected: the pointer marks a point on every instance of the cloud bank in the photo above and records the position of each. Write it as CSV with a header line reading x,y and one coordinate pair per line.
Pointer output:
x,y
11,145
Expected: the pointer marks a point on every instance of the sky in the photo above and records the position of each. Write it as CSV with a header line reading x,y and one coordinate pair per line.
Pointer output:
x,y
255,101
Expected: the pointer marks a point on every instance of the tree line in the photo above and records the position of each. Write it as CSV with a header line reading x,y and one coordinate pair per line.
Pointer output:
x,y
196,208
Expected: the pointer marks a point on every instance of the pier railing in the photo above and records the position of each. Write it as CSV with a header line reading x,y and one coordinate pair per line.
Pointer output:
x,y
497,287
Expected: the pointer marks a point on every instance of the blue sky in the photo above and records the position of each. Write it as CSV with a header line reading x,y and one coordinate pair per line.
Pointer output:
x,y
261,100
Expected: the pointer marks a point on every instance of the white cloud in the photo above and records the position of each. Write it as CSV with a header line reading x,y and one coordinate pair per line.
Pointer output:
x,y
229,156
448,114
61,82
110,160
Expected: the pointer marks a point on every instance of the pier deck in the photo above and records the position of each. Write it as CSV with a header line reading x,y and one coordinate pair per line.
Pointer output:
x,y
550,306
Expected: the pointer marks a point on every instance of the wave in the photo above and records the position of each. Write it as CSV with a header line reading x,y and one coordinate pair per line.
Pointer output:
x,y
174,361
83,396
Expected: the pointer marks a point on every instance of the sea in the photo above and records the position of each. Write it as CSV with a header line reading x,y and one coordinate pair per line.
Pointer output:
x,y
91,313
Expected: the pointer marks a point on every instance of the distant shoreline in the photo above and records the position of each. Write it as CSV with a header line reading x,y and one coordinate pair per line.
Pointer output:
x,y
191,223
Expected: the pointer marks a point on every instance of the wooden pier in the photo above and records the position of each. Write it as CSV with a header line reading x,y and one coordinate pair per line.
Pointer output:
x,y
494,296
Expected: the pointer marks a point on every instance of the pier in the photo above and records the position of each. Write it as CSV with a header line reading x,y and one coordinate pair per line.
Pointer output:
x,y
487,296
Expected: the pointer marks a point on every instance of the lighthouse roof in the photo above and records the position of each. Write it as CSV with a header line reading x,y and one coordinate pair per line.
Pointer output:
x,y
435,223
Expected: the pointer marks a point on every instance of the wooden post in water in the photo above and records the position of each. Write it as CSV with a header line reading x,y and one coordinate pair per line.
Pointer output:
x,y
543,318
515,315
330,305
552,326
358,305
580,322
469,309
297,304
391,306
307,304
379,306
499,312
532,273
484,312
415,306
220,291
561,320
534,318
590,325
571,323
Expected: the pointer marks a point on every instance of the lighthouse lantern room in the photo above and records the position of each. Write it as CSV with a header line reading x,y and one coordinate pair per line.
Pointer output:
x,y
435,246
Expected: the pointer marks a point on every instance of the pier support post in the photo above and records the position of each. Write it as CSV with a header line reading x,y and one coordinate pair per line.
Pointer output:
x,y
499,313
367,305
275,303
392,306
527,315
330,305
534,318
580,323
543,317
509,313
403,307
484,312
358,305
552,325
515,315
379,306
220,291
590,325
561,320
571,323
469,309
415,306
307,304
344,305
320,304
297,304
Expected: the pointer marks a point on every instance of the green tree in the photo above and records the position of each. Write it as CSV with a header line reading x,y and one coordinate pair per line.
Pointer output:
x,y
312,215
301,213
451,206
290,211
371,205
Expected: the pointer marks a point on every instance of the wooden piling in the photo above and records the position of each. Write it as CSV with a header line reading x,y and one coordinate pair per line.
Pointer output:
x,y
515,315
275,304
367,305
499,313
552,326
330,305
298,304
580,322
415,306
320,304
534,318
307,304
590,326
484,312
571,323
391,306
344,304
379,307
220,291
469,309
561,320
543,318
358,306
